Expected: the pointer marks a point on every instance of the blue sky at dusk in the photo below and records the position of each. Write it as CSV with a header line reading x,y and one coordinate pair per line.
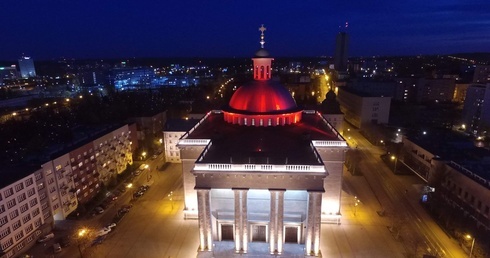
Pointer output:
x,y
111,28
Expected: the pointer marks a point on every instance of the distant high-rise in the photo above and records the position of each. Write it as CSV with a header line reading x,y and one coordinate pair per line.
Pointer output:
x,y
26,65
341,51
476,111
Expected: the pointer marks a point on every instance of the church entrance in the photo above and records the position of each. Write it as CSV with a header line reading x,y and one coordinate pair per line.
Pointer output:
x,y
291,235
259,233
226,232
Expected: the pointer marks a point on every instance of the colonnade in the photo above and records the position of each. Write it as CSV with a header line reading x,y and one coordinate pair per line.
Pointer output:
x,y
276,222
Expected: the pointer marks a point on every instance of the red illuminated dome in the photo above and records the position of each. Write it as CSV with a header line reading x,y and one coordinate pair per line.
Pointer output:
x,y
262,97
262,102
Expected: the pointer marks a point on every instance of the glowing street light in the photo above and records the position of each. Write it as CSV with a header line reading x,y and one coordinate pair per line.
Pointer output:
x,y
396,161
356,203
81,233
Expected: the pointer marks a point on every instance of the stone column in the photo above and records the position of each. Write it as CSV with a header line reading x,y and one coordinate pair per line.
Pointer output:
x,y
312,243
241,221
244,221
204,210
238,219
209,230
280,221
276,223
272,223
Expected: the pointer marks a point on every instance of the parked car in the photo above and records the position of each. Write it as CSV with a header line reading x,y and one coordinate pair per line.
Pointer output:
x,y
122,189
64,241
154,157
45,238
104,231
56,248
127,206
111,226
99,210
138,194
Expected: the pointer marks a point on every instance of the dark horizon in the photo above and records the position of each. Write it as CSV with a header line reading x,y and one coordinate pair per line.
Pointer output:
x,y
111,29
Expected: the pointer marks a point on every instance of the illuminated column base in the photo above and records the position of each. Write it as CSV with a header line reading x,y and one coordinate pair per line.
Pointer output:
x,y
204,210
313,223
241,221
276,224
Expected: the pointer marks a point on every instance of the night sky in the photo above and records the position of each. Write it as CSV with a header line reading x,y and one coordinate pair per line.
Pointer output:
x,y
209,28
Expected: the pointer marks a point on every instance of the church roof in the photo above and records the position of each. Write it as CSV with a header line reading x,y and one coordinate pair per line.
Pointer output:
x,y
262,97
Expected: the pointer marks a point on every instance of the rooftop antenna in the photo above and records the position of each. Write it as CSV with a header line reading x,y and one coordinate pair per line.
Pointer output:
x,y
262,41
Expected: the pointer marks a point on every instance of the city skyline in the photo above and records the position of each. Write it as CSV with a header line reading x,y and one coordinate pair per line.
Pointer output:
x,y
112,29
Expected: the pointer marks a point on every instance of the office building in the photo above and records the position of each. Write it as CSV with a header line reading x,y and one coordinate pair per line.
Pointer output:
x,y
26,66
341,51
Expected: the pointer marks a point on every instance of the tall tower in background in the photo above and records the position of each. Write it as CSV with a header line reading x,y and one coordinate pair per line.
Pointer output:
x,y
26,65
341,50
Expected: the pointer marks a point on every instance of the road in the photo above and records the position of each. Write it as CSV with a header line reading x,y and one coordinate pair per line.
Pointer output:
x,y
398,196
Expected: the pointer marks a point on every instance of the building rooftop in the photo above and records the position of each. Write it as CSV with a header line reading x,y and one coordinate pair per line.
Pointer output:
x,y
455,147
238,144
180,125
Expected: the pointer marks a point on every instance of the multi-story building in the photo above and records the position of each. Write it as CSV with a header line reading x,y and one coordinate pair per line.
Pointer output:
x,y
460,90
362,108
341,51
174,129
58,176
481,74
85,174
113,152
21,214
8,72
32,197
441,90
448,160
476,110
26,66
149,126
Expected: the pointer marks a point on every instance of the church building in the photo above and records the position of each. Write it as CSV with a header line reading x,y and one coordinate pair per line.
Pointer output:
x,y
262,175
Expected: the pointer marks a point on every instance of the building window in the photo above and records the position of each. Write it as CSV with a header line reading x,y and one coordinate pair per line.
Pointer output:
x,y
33,202
4,233
37,223
3,220
29,228
19,236
50,180
39,176
2,209
21,197
31,192
8,192
7,244
14,214
11,203
16,225
27,218
24,208
19,187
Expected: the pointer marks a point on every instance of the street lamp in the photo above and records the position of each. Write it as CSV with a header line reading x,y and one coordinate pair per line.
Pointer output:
x,y
469,237
81,233
129,187
170,195
148,176
143,154
356,203
396,160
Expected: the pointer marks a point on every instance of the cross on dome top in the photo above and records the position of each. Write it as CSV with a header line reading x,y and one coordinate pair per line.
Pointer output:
x,y
262,41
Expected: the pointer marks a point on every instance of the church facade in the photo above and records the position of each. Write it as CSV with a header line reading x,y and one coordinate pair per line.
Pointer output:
x,y
261,171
